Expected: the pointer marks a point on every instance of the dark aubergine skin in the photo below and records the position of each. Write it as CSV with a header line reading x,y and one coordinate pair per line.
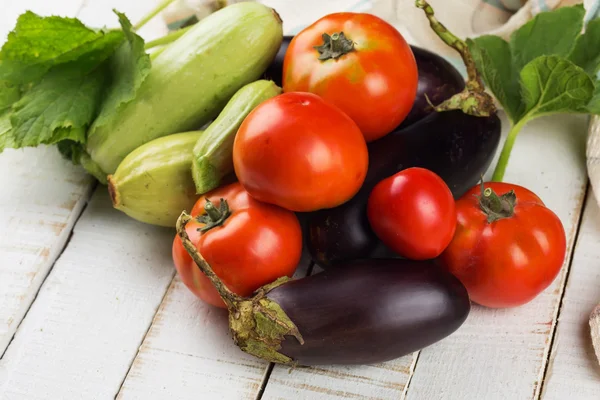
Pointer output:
x,y
456,146
275,70
371,311
438,79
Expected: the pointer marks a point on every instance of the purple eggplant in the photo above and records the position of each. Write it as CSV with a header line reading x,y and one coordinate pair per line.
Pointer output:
x,y
370,311
456,146
438,79
364,312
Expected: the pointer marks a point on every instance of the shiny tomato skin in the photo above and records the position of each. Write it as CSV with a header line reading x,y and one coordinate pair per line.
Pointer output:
x,y
375,84
413,213
256,245
508,262
300,153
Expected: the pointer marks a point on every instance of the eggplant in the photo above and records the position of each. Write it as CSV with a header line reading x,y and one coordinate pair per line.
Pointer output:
x,y
370,311
274,71
456,146
438,79
364,312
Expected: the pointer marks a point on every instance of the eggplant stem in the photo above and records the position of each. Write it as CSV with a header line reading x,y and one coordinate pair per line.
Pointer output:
x,y
473,100
231,299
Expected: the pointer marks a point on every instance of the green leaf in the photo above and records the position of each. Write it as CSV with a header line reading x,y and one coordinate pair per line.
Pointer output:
x,y
548,33
493,59
9,93
586,52
60,107
552,84
594,105
129,67
6,139
38,43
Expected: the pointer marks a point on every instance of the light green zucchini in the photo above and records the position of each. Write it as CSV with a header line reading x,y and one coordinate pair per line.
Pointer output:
x,y
213,153
190,81
154,183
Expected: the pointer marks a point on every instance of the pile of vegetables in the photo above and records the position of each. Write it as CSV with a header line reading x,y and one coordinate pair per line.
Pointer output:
x,y
344,141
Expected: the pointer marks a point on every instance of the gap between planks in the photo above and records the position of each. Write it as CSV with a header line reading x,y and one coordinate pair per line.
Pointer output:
x,y
547,354
270,367
156,313
86,198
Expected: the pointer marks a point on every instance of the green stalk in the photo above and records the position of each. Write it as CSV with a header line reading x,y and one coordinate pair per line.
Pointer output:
x,y
473,100
507,149
168,38
152,14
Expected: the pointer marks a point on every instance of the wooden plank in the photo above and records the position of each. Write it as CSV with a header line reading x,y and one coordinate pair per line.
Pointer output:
x,y
41,198
378,381
501,354
82,332
573,370
381,381
188,352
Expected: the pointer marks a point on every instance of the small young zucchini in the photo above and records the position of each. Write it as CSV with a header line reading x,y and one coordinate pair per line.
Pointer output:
x,y
213,153
154,183
190,81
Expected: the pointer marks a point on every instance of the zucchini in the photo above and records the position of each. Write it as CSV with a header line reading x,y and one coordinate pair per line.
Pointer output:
x,y
213,153
190,81
154,182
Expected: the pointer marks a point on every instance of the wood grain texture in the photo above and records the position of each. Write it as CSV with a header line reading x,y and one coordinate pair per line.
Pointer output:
x,y
573,370
42,197
501,354
82,332
381,381
188,352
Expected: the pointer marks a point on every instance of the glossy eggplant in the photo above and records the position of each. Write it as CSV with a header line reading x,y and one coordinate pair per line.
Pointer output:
x,y
438,79
456,146
370,311
363,312
274,71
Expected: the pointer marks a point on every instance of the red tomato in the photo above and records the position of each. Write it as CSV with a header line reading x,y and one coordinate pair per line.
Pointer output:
x,y
254,246
508,260
301,153
366,68
413,213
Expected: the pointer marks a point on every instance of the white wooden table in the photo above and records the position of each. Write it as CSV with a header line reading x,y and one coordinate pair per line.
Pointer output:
x,y
90,307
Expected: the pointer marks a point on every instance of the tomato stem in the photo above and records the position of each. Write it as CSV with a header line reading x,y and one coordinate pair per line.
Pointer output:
x,y
334,46
497,207
231,299
214,216
473,100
